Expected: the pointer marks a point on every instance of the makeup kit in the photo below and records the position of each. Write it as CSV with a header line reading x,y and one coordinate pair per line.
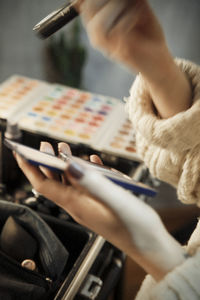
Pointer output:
x,y
90,123
55,113
31,111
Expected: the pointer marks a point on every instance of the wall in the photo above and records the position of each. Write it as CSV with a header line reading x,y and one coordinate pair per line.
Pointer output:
x,y
22,52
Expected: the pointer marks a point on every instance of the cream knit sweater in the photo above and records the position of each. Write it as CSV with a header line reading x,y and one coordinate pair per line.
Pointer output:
x,y
171,149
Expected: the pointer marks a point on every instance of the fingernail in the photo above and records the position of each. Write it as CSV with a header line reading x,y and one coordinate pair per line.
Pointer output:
x,y
64,148
75,171
45,147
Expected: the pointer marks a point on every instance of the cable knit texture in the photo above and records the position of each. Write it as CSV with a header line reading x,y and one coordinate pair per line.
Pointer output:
x,y
169,147
180,284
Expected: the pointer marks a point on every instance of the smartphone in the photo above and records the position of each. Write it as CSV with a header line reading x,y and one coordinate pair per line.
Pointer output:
x,y
57,164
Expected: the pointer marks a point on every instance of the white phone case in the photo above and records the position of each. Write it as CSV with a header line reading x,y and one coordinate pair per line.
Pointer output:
x,y
57,164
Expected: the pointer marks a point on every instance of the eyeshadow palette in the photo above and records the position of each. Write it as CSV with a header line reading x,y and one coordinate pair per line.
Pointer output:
x,y
121,140
69,114
14,93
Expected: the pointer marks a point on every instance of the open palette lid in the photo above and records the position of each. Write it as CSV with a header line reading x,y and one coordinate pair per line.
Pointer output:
x,y
70,115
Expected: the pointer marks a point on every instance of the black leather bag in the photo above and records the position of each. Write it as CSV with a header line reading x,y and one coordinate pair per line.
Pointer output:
x,y
25,235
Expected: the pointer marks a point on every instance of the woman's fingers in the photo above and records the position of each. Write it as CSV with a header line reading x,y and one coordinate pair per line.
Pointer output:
x,y
33,173
107,21
96,159
47,148
48,187
64,148
90,8
84,209
126,30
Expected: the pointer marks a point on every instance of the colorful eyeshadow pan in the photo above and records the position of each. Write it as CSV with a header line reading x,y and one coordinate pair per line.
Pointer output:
x,y
78,116
122,142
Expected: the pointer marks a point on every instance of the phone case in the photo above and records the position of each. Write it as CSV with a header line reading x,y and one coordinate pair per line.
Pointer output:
x,y
54,163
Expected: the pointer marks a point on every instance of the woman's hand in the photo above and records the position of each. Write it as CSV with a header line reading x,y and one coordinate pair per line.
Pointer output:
x,y
129,32
125,30
85,209
118,216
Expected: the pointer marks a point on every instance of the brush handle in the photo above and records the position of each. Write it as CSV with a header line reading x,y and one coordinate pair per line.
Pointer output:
x,y
56,20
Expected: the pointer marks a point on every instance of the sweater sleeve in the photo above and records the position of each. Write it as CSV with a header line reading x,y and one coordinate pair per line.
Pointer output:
x,y
180,284
169,147
176,133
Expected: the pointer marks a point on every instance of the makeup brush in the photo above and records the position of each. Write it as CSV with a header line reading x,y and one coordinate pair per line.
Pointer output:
x,y
56,20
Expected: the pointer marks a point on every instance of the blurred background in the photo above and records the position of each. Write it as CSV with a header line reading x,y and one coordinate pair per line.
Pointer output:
x,y
21,52
68,58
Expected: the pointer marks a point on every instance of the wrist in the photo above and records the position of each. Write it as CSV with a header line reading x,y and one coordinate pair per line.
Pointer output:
x,y
156,251
168,86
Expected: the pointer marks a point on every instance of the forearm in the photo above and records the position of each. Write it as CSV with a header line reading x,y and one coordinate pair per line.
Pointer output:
x,y
114,213
134,37
146,241
159,254
168,86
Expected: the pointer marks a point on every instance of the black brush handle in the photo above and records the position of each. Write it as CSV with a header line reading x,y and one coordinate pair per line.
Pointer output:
x,y
56,20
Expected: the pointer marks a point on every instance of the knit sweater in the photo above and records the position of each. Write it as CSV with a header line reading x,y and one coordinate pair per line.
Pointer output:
x,y
169,147
171,150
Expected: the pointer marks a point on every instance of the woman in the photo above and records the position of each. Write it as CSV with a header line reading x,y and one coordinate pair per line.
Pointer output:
x,y
163,106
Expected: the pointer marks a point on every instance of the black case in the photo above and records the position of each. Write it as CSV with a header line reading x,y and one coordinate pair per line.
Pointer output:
x,y
87,267
95,267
